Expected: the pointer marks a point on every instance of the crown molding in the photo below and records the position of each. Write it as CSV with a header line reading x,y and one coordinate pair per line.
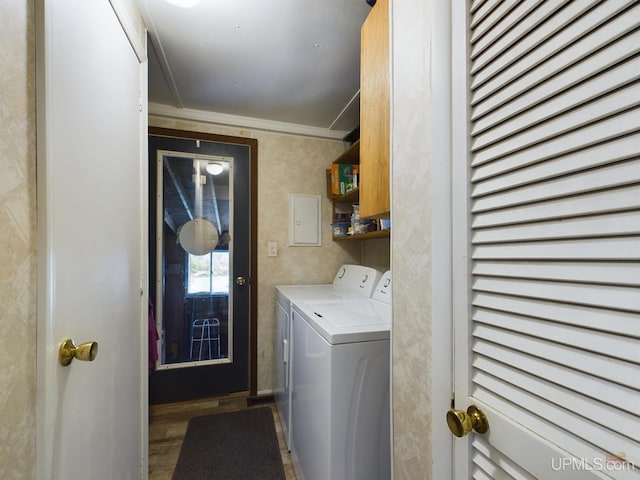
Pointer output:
x,y
167,111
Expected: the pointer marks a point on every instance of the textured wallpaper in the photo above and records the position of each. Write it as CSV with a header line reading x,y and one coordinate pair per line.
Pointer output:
x,y
17,241
411,242
287,164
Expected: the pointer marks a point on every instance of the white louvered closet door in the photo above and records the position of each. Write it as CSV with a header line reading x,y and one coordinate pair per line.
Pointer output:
x,y
547,317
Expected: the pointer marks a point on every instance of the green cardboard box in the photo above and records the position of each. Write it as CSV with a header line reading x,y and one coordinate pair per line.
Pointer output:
x,y
341,178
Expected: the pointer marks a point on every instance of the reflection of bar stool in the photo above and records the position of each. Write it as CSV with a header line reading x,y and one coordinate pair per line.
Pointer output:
x,y
206,330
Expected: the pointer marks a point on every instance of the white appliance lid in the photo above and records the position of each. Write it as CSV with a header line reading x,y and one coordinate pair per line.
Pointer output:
x,y
348,321
297,293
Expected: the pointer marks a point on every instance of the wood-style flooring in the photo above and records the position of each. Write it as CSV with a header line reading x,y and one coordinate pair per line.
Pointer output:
x,y
168,425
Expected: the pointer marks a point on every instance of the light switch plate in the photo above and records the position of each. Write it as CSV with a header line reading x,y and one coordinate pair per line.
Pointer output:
x,y
272,249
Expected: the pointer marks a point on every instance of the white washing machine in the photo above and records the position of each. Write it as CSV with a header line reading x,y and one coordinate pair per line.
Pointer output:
x,y
340,382
351,281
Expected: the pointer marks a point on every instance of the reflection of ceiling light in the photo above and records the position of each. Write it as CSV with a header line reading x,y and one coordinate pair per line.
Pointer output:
x,y
215,168
184,3
198,236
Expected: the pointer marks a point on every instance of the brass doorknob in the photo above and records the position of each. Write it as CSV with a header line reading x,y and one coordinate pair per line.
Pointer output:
x,y
241,281
461,422
68,351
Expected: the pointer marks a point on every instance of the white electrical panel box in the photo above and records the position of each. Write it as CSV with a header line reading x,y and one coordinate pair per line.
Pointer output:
x,y
304,220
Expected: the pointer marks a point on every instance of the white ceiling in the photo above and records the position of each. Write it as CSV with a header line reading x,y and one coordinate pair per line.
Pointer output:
x,y
291,61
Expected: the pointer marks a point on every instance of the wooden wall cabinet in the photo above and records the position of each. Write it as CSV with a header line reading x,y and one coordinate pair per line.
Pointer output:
x,y
375,111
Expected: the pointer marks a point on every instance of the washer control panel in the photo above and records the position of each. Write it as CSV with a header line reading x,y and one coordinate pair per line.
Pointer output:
x,y
357,279
383,288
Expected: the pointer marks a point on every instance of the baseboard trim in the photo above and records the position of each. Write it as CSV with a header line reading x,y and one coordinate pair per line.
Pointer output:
x,y
259,399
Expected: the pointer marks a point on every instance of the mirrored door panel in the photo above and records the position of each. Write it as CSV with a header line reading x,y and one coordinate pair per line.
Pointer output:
x,y
193,214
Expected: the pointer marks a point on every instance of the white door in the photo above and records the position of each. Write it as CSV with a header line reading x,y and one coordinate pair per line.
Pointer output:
x,y
547,219
91,416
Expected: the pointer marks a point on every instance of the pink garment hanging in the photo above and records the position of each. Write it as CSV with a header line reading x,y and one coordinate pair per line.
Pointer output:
x,y
153,338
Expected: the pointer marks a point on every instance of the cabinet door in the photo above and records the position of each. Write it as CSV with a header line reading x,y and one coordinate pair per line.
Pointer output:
x,y
375,113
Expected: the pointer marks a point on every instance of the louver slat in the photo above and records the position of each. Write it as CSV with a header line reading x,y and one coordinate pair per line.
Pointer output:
x,y
608,225
618,248
591,273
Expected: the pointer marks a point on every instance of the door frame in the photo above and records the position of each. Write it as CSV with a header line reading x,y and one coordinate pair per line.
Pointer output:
x,y
445,267
252,143
460,217
452,21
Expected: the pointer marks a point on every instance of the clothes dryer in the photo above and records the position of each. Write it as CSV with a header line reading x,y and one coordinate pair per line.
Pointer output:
x,y
350,281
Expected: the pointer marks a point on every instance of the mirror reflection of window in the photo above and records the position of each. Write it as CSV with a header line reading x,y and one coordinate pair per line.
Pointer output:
x,y
208,274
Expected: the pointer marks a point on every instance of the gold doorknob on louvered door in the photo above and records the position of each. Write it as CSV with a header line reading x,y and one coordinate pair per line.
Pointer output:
x,y
68,351
461,422
241,281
